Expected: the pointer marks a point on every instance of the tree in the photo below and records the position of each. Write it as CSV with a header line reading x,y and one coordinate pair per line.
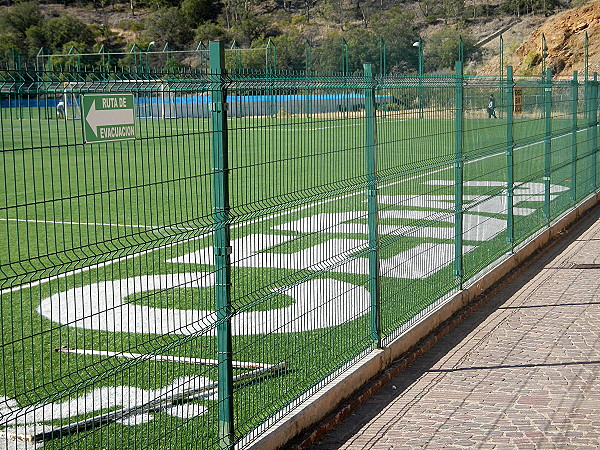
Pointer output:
x,y
168,26
449,10
55,33
210,31
397,29
290,53
20,17
199,11
249,29
519,7
328,56
441,49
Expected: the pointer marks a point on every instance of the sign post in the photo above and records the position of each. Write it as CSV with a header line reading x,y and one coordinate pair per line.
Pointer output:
x,y
108,117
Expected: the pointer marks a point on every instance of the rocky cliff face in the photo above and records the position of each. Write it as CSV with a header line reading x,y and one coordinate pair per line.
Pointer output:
x,y
564,35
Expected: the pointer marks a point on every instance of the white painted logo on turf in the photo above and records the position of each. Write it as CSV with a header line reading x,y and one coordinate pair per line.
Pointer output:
x,y
319,303
32,419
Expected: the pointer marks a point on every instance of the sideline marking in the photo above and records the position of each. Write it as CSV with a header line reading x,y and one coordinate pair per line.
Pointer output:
x,y
99,224
161,358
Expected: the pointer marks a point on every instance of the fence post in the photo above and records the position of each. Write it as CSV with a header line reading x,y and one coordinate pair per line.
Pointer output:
x,y
547,141
222,246
458,175
371,154
574,105
510,163
594,127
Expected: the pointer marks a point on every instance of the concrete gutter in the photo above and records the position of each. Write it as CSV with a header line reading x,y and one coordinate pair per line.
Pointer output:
x,y
331,404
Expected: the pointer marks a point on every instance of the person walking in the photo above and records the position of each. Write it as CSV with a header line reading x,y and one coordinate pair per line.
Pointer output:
x,y
491,109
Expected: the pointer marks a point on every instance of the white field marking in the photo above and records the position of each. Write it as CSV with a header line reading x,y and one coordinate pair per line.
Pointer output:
x,y
107,397
269,128
161,358
334,223
318,303
526,189
169,402
262,219
335,255
98,224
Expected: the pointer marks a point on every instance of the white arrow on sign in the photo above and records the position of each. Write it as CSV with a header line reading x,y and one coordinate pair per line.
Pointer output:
x,y
107,117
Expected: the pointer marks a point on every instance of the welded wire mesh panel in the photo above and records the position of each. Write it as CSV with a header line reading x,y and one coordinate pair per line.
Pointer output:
x,y
484,199
102,338
529,136
563,145
185,257
298,220
416,138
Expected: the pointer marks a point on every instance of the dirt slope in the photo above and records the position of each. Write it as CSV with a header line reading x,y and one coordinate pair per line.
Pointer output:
x,y
565,43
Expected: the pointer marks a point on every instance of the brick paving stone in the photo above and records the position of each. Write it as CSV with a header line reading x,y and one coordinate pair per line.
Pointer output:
x,y
521,372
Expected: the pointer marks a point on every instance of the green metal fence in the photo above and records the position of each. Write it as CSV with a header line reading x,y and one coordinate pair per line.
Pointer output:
x,y
185,257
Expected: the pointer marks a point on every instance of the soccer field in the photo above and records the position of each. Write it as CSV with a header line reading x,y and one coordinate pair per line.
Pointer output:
x,y
106,253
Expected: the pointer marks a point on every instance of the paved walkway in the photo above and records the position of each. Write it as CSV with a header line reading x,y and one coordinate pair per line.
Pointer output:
x,y
522,372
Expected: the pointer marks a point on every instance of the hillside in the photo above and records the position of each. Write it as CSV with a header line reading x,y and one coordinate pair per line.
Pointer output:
x,y
181,24
565,41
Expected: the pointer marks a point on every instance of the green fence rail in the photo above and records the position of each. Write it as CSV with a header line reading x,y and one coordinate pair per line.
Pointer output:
x,y
186,257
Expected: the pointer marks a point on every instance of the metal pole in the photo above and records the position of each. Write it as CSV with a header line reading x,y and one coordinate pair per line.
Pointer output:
x,y
502,57
458,175
547,142
308,58
345,70
502,99
594,127
222,245
308,73
382,57
510,163
544,53
419,45
586,56
574,105
371,153
345,63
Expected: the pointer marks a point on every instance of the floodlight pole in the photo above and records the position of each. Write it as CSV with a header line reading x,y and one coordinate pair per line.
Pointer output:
x,y
151,44
419,45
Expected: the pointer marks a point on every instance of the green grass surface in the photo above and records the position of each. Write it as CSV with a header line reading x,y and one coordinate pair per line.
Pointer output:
x,y
74,214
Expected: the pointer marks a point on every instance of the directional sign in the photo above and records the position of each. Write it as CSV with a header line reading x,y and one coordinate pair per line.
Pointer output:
x,y
108,117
